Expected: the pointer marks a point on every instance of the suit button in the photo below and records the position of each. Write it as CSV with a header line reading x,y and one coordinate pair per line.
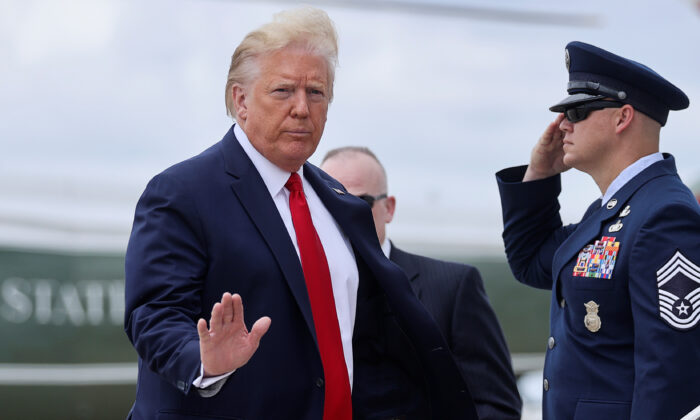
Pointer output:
x,y
319,382
550,343
546,384
562,302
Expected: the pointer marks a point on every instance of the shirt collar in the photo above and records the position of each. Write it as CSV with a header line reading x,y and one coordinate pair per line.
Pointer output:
x,y
629,173
272,175
386,246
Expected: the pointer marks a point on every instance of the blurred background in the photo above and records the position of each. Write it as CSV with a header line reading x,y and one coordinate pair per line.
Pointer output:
x,y
96,97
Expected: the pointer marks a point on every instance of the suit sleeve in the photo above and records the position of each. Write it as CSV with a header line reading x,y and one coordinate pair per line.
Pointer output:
x,y
532,228
664,289
165,265
481,352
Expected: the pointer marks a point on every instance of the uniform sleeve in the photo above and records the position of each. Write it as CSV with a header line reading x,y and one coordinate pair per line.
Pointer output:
x,y
532,228
165,265
664,289
480,349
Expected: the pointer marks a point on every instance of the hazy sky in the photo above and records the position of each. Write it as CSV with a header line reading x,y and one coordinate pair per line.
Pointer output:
x,y
96,97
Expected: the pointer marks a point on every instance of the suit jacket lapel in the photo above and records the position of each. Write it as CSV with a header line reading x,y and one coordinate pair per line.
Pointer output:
x,y
353,217
345,208
408,266
589,228
254,197
355,221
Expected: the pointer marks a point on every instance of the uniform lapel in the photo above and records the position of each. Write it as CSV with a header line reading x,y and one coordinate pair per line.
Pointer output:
x,y
590,228
250,189
585,233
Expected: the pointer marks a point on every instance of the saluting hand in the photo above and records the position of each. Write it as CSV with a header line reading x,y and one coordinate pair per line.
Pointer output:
x,y
227,345
547,158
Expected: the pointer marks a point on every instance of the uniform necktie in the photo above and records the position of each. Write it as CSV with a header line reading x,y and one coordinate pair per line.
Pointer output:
x,y
338,403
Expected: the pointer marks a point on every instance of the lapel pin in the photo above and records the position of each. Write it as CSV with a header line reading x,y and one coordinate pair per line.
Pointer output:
x,y
616,227
592,320
339,191
611,204
625,211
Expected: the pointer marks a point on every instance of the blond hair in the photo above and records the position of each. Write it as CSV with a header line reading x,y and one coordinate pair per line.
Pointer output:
x,y
307,27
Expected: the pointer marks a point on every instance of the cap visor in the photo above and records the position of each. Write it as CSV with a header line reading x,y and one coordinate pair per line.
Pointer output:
x,y
572,100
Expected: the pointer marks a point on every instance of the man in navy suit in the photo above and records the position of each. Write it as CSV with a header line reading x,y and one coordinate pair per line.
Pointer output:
x,y
625,280
249,220
453,293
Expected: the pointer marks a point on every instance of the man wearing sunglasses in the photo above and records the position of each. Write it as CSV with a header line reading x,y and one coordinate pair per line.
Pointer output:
x,y
453,293
625,280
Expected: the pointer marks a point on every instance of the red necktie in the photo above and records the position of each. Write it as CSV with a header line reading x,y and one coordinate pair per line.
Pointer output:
x,y
338,403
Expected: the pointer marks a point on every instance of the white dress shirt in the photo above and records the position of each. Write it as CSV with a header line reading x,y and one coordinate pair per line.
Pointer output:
x,y
629,173
341,259
386,246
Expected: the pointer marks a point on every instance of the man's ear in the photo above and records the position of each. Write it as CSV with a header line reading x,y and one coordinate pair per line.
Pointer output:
x,y
623,118
390,203
239,101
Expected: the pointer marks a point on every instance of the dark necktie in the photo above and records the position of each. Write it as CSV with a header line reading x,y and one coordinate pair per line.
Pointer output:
x,y
338,403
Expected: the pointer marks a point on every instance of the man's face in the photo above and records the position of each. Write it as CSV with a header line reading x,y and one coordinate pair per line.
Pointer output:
x,y
283,110
587,144
360,174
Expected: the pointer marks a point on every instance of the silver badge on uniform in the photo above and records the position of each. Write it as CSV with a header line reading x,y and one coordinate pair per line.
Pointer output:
x,y
678,281
611,204
625,212
592,320
615,227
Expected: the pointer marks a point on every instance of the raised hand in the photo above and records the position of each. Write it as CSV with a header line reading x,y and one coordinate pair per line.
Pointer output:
x,y
227,345
547,158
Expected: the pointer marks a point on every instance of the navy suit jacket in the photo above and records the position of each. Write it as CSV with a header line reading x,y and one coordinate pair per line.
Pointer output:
x,y
621,357
208,225
454,295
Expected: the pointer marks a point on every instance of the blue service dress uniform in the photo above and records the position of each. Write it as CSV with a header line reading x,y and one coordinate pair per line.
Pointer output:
x,y
625,281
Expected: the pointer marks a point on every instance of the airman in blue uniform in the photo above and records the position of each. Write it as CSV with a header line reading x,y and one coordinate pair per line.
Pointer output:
x,y
625,280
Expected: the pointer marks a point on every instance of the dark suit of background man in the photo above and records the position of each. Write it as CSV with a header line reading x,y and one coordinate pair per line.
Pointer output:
x,y
453,293
249,219
625,280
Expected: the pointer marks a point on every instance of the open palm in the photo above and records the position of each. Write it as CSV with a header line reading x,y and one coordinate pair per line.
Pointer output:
x,y
227,344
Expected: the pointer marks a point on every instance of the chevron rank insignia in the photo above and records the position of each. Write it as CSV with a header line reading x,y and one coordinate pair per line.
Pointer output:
x,y
678,281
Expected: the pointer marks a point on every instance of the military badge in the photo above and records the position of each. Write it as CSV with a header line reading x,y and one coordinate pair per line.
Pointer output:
x,y
592,320
597,260
611,204
615,227
678,281
625,212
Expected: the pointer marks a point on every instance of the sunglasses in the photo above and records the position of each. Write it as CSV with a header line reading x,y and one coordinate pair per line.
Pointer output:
x,y
370,199
581,112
